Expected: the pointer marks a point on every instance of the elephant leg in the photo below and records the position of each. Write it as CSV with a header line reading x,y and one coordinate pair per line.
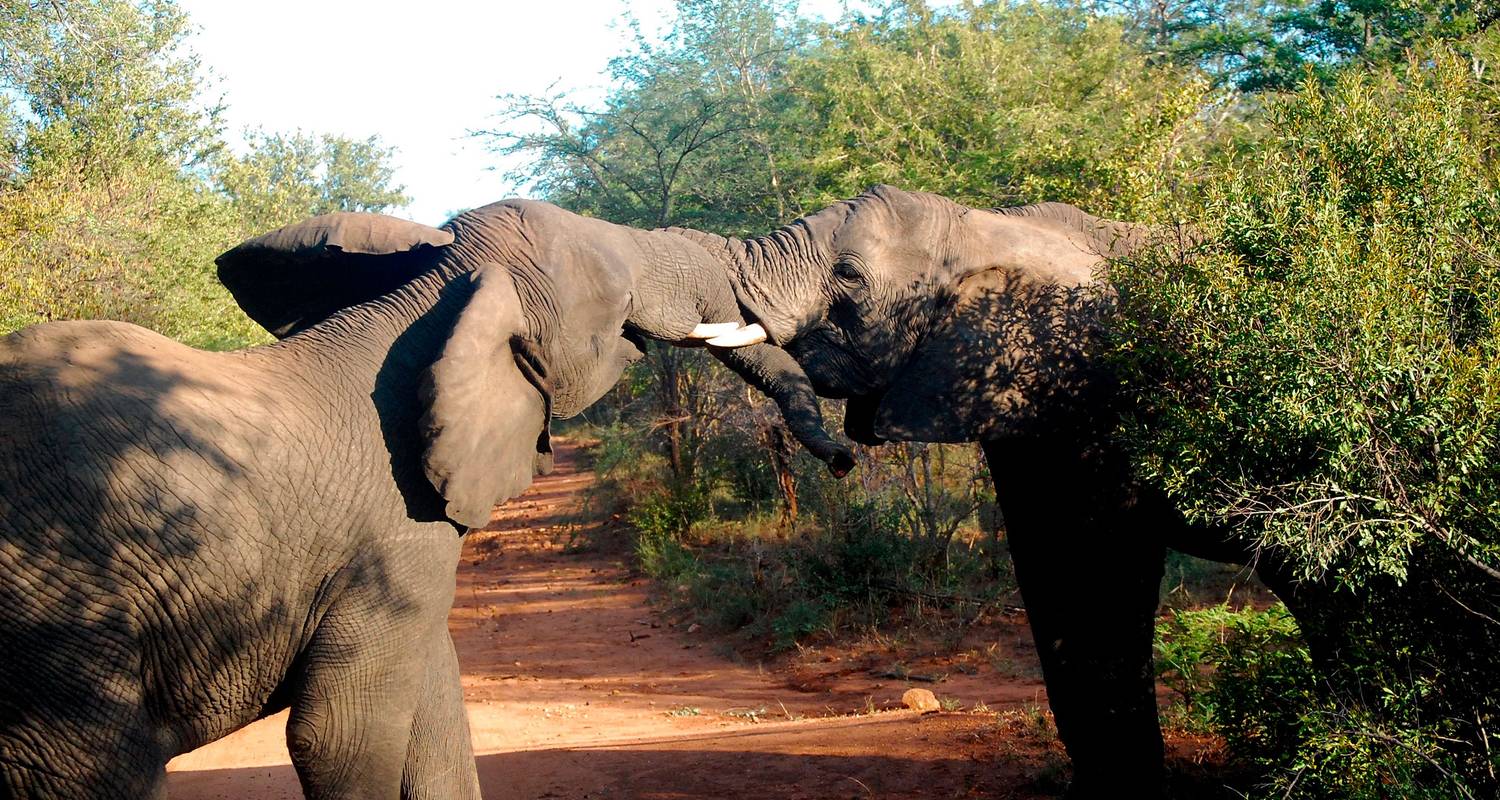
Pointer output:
x,y
352,712
440,758
1090,584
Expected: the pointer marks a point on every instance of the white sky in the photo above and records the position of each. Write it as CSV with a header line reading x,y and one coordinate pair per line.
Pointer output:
x,y
418,74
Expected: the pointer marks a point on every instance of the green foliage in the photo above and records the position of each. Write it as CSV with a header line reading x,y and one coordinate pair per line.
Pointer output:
x,y
1248,676
102,213
104,87
1324,371
671,513
1320,374
109,170
690,134
1242,670
857,563
996,103
287,177
801,618
1271,45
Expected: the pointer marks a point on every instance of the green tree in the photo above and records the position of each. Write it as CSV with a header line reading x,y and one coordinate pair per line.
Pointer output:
x,y
997,103
103,212
1260,45
287,177
105,86
109,167
690,133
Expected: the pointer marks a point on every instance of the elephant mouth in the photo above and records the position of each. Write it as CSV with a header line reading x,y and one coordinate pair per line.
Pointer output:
x,y
859,419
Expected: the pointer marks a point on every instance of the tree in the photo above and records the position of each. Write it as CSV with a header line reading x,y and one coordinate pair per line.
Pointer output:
x,y
287,177
689,135
997,104
1268,45
106,86
108,169
103,210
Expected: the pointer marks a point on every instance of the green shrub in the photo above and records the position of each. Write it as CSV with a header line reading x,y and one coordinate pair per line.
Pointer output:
x,y
1322,375
1325,371
664,557
1248,676
1246,673
800,619
672,513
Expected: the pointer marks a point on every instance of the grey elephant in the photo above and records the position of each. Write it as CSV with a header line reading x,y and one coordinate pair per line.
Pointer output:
x,y
191,540
943,323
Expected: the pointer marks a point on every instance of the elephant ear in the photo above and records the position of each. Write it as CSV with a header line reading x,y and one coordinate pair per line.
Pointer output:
x,y
294,277
487,401
1010,353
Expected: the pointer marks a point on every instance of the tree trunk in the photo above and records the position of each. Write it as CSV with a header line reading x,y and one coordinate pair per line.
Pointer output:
x,y
779,444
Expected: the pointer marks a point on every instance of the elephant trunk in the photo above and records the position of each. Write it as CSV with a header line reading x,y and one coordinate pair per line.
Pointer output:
x,y
777,375
687,292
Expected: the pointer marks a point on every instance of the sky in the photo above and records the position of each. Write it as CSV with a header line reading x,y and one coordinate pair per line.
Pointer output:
x,y
420,75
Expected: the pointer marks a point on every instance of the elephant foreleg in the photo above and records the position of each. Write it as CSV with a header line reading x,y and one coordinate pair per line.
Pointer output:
x,y
352,715
440,761
1090,582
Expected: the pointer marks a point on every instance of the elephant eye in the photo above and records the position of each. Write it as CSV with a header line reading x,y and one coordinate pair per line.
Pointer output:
x,y
847,271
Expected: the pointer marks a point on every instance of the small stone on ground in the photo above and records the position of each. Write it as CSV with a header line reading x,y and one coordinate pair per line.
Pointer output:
x,y
920,700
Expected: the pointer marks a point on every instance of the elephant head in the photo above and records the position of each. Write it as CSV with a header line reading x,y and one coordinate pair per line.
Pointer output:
x,y
937,321
556,306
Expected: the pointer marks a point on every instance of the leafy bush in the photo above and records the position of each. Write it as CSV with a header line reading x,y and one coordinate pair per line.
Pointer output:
x,y
1322,374
670,513
996,103
114,184
1245,672
1324,370
1249,676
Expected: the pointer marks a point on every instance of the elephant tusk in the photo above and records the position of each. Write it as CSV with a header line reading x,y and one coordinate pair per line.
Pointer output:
x,y
710,330
750,334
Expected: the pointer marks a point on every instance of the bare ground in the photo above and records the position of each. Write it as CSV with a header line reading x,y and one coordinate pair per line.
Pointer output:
x,y
577,686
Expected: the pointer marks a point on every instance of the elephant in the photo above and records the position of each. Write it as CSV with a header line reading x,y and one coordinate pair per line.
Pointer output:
x,y
191,540
942,323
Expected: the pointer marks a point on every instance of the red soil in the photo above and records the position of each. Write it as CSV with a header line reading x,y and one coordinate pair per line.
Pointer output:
x,y
579,687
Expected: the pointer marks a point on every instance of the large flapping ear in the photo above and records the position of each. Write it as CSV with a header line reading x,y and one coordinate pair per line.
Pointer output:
x,y
293,277
488,401
1009,351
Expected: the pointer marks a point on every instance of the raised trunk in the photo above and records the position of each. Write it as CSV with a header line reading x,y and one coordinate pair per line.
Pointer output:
x,y
776,374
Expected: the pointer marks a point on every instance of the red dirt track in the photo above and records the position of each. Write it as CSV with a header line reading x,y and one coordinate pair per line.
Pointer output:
x,y
578,687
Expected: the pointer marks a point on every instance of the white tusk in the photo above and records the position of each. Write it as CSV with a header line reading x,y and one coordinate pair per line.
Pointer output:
x,y
750,334
709,330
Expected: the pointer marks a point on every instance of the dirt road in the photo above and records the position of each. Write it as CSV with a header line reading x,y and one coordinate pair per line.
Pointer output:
x,y
578,687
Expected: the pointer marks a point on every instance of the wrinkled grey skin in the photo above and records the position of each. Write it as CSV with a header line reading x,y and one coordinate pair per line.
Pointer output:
x,y
943,323
191,540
